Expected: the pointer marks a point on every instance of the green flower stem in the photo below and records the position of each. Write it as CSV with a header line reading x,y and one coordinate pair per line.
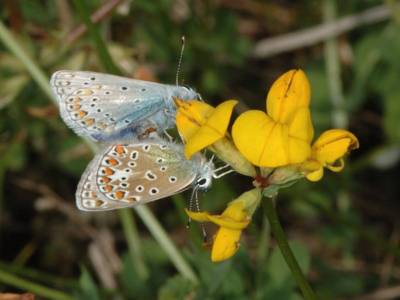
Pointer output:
x,y
37,74
98,42
287,253
133,240
165,242
35,288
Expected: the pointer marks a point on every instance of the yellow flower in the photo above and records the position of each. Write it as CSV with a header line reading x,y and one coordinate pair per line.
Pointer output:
x,y
232,221
201,125
283,135
328,151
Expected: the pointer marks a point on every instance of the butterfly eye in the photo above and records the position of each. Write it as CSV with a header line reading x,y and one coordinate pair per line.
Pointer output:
x,y
202,182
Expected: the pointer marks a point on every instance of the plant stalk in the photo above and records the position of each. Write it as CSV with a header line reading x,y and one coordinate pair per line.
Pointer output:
x,y
165,242
37,74
287,253
35,288
133,241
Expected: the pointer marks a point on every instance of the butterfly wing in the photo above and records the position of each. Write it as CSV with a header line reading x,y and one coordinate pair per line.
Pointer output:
x,y
144,172
88,197
102,106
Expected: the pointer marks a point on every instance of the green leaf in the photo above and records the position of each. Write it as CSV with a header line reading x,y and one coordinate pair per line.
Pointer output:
x,y
176,287
88,287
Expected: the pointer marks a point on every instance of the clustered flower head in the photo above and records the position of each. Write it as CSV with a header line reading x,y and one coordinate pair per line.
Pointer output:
x,y
274,147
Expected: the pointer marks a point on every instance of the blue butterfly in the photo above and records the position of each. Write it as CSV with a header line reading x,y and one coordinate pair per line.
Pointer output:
x,y
109,108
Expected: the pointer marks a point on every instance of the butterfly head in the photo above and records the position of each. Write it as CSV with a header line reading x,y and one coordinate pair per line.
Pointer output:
x,y
205,175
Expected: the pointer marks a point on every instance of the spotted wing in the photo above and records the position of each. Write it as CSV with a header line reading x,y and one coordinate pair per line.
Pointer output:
x,y
144,172
88,197
102,106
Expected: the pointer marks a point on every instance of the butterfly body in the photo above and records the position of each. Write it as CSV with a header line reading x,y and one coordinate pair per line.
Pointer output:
x,y
110,108
125,175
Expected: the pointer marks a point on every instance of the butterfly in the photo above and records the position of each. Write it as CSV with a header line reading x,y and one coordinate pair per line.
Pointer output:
x,y
125,175
110,108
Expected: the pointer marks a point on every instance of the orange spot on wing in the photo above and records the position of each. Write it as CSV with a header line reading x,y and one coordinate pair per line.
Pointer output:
x,y
119,195
108,171
105,179
89,122
108,188
120,149
81,114
112,161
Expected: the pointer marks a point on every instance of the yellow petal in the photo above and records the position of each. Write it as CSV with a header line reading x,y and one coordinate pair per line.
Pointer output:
x,y
202,138
250,134
198,216
234,217
288,93
334,144
190,115
299,150
266,143
276,150
226,244
316,175
227,222
301,126
213,129
337,166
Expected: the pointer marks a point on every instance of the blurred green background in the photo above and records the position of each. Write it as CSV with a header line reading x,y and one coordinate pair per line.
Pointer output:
x,y
344,230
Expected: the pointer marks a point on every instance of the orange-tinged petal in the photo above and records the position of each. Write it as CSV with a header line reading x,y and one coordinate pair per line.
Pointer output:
x,y
186,127
213,129
288,93
226,244
191,114
250,134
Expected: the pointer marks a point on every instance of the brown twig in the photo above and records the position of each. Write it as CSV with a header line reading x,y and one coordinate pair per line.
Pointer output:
x,y
104,11
307,37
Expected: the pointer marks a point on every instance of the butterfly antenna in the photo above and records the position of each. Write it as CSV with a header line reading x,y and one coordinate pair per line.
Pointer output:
x,y
178,69
203,229
192,196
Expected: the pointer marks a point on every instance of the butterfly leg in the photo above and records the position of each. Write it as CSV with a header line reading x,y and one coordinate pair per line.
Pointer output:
x,y
170,138
216,176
